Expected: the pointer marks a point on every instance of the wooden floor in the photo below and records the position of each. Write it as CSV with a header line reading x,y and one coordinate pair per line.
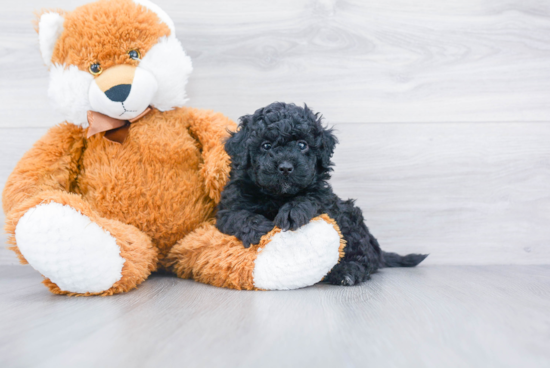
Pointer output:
x,y
431,316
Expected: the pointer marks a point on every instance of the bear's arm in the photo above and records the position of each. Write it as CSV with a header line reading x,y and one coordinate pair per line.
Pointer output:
x,y
211,130
51,164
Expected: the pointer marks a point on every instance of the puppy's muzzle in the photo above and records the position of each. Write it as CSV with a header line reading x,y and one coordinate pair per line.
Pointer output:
x,y
286,168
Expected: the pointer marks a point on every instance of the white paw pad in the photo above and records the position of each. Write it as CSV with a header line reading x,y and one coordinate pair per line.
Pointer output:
x,y
69,249
295,259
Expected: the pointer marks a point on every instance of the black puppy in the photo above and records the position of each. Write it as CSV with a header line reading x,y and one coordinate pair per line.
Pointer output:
x,y
281,162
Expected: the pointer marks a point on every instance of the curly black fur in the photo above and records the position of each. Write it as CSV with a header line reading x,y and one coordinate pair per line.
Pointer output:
x,y
281,164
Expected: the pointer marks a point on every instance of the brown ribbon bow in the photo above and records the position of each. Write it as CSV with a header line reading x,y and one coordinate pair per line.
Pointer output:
x,y
116,130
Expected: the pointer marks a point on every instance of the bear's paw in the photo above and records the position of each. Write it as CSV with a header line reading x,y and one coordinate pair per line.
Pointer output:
x,y
300,258
69,249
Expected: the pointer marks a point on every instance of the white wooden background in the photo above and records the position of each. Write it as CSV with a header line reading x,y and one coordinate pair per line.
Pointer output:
x,y
442,106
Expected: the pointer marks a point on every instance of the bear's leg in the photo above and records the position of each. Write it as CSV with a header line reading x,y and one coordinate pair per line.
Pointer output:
x,y
79,252
281,261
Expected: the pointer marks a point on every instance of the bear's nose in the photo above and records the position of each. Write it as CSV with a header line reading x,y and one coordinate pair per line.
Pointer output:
x,y
286,168
119,93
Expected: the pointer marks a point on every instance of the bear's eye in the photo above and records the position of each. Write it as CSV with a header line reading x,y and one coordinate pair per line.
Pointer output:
x,y
266,146
134,54
302,145
95,69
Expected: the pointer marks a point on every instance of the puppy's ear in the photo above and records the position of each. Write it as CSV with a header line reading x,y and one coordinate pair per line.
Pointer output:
x,y
328,142
236,145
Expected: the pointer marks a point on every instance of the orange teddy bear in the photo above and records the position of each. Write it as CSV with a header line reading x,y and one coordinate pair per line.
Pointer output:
x,y
130,182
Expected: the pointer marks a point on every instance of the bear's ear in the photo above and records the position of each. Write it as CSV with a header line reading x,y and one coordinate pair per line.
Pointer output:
x,y
160,13
50,27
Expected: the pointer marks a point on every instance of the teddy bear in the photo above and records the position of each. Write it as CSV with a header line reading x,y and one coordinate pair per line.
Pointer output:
x,y
128,184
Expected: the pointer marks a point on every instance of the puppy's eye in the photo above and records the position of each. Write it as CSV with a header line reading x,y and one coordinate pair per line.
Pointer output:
x,y
302,145
266,146
95,69
134,54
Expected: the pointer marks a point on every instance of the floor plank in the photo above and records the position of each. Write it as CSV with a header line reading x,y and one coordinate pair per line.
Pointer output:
x,y
431,316
357,61
465,193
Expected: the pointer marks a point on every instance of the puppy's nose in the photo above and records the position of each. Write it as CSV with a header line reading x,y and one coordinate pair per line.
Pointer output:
x,y
119,93
286,168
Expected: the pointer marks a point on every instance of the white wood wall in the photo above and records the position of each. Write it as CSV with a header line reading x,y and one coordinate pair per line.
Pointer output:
x,y
442,106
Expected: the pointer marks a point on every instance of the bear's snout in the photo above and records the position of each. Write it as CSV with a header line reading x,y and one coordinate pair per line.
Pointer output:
x,y
122,91
119,75
119,93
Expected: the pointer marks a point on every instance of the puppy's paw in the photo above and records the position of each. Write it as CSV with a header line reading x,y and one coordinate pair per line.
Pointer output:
x,y
348,280
257,228
251,238
294,215
342,279
347,274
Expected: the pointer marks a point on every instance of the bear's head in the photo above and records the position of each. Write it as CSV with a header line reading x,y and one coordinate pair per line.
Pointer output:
x,y
115,57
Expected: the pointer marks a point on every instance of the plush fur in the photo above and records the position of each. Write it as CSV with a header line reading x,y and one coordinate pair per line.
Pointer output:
x,y
163,17
96,217
214,258
71,41
149,192
92,261
68,92
281,159
85,41
144,195
171,67
50,28
287,263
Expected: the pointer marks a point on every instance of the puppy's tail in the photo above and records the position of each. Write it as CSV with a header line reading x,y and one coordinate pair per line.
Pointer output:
x,y
396,260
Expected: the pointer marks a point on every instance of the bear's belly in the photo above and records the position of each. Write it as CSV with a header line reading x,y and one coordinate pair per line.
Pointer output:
x,y
151,181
